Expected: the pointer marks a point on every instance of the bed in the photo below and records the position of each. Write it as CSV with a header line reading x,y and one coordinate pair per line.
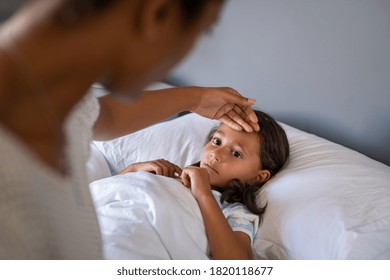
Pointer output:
x,y
329,202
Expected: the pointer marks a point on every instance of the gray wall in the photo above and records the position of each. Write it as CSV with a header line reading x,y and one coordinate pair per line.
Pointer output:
x,y
8,7
321,66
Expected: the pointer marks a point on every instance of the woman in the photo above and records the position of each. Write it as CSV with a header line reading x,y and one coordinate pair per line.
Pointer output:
x,y
51,52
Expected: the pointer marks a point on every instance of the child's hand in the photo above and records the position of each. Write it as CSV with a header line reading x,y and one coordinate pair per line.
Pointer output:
x,y
159,167
197,179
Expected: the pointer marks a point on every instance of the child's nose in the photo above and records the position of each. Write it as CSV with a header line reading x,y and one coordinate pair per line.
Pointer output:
x,y
217,154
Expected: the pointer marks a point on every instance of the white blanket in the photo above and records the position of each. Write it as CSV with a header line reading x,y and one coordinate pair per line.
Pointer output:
x,y
144,216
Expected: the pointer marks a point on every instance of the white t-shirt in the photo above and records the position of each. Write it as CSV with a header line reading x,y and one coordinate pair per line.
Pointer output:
x,y
42,214
239,217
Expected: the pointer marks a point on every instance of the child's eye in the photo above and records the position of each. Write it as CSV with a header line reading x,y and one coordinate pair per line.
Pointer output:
x,y
237,154
216,141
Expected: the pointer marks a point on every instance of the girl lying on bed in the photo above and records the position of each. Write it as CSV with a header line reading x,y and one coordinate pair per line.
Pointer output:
x,y
233,166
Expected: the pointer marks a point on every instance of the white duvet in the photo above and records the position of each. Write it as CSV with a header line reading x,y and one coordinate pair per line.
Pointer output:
x,y
144,216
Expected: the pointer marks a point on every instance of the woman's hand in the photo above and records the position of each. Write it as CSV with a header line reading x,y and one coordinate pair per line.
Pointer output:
x,y
159,167
228,106
197,179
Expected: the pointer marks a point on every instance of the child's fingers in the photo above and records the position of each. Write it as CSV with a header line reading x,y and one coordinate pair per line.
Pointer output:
x,y
186,179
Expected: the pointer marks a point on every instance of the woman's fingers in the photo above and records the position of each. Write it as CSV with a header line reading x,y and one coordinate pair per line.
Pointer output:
x,y
227,105
245,113
246,117
159,167
237,118
166,168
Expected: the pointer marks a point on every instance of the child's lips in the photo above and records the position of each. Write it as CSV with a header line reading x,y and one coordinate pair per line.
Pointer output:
x,y
208,166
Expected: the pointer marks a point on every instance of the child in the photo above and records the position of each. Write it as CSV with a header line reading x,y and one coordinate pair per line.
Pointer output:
x,y
233,166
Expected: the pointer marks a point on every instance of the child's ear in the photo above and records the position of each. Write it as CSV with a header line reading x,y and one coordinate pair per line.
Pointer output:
x,y
263,175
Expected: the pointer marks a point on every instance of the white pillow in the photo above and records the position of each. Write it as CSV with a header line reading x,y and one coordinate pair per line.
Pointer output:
x,y
328,203
179,141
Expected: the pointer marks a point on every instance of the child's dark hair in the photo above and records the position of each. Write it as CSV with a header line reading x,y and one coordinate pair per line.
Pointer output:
x,y
274,153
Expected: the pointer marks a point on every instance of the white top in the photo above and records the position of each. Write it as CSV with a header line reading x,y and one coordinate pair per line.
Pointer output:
x,y
239,217
44,215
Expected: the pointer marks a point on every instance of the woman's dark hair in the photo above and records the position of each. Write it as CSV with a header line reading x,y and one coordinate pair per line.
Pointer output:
x,y
274,153
192,8
73,9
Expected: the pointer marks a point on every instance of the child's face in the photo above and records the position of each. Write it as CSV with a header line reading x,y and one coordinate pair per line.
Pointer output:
x,y
230,155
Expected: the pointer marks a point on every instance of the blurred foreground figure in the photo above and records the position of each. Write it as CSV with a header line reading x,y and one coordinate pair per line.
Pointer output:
x,y
51,52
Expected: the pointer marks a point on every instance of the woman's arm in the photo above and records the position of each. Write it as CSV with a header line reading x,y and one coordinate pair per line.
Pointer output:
x,y
224,242
118,118
158,167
